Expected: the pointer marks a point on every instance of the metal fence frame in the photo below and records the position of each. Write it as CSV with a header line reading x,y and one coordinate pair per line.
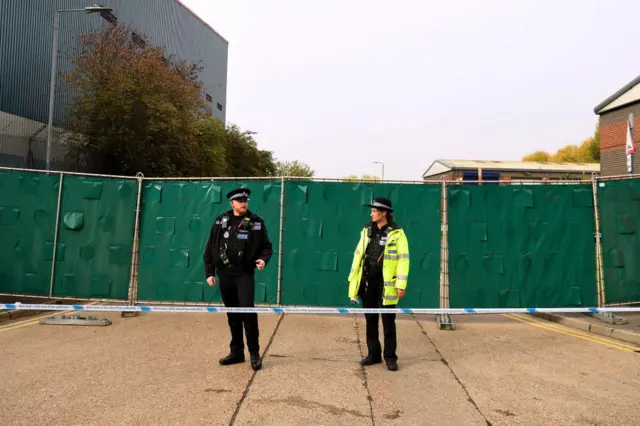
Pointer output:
x,y
444,303
62,174
600,257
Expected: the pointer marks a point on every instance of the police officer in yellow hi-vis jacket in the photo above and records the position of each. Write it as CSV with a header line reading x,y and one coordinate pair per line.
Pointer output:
x,y
378,276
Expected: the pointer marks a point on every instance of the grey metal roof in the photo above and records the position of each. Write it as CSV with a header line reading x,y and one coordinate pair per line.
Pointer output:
x,y
521,166
616,95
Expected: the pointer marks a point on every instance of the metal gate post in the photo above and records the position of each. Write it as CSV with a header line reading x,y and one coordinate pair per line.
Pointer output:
x,y
135,253
280,242
598,243
445,322
55,236
607,317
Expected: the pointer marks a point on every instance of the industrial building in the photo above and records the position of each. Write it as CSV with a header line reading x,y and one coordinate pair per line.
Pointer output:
x,y
614,118
26,42
508,171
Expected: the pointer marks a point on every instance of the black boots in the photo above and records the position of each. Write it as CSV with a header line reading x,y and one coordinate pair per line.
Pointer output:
x,y
370,360
232,359
256,361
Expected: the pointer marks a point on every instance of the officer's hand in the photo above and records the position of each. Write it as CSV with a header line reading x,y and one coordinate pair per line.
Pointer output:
x,y
401,293
211,281
260,264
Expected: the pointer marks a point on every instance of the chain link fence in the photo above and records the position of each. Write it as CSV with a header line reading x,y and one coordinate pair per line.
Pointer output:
x,y
23,144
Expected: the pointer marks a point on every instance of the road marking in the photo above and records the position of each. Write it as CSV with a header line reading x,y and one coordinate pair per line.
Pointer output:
x,y
35,320
575,333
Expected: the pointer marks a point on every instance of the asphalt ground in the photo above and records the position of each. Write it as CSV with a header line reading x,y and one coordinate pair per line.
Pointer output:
x,y
162,368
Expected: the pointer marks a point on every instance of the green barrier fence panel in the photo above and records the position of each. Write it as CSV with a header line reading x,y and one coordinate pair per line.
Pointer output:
x,y
619,206
322,227
521,246
28,206
95,237
175,223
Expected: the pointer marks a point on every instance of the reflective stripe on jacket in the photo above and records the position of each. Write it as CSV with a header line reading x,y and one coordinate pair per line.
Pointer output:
x,y
395,267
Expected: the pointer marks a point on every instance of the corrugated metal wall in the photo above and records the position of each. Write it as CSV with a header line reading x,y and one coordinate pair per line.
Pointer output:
x,y
26,33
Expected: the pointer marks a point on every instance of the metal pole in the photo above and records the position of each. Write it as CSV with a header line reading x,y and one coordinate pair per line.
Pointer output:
x,y
445,322
55,236
445,238
442,248
381,164
280,243
133,278
599,266
52,86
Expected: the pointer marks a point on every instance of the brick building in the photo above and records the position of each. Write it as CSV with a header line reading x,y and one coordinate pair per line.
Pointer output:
x,y
614,114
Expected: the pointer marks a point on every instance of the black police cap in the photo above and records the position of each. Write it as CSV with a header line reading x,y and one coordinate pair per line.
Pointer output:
x,y
381,203
239,194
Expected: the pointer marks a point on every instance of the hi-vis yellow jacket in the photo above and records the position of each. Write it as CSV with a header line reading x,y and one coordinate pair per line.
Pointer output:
x,y
395,266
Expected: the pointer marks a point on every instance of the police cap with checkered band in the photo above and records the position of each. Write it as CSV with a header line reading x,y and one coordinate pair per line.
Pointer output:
x,y
240,194
381,203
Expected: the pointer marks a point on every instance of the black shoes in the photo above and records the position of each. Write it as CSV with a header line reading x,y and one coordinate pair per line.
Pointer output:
x,y
232,359
256,362
369,360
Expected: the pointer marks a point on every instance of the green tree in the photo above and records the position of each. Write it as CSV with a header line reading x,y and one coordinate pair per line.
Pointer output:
x,y
567,154
136,109
244,159
593,146
587,152
141,111
365,178
294,168
212,142
231,151
540,156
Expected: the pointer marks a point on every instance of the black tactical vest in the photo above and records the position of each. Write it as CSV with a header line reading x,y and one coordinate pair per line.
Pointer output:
x,y
234,236
375,249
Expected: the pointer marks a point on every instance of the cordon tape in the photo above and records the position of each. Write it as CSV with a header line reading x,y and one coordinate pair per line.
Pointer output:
x,y
302,310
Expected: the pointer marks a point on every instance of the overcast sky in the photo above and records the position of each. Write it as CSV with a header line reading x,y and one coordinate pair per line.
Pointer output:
x,y
339,85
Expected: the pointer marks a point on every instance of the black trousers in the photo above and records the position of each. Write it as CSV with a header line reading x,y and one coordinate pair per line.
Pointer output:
x,y
372,294
237,289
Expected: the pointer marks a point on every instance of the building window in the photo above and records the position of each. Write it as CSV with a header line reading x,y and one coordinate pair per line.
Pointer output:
x,y
109,17
137,40
208,97
219,106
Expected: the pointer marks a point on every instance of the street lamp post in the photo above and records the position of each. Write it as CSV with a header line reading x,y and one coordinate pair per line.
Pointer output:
x,y
382,164
54,68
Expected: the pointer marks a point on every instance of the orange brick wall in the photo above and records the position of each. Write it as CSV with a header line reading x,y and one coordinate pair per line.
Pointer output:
x,y
613,137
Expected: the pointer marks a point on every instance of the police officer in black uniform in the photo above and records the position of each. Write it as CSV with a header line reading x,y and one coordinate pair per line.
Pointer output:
x,y
238,243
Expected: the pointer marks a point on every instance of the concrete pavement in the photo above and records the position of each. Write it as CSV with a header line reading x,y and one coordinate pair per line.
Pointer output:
x,y
628,332
162,368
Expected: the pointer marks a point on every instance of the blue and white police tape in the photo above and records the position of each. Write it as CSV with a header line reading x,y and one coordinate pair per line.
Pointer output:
x,y
304,310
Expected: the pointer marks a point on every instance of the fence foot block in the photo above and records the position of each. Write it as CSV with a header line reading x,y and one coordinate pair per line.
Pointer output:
x,y
129,314
75,320
445,322
609,318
